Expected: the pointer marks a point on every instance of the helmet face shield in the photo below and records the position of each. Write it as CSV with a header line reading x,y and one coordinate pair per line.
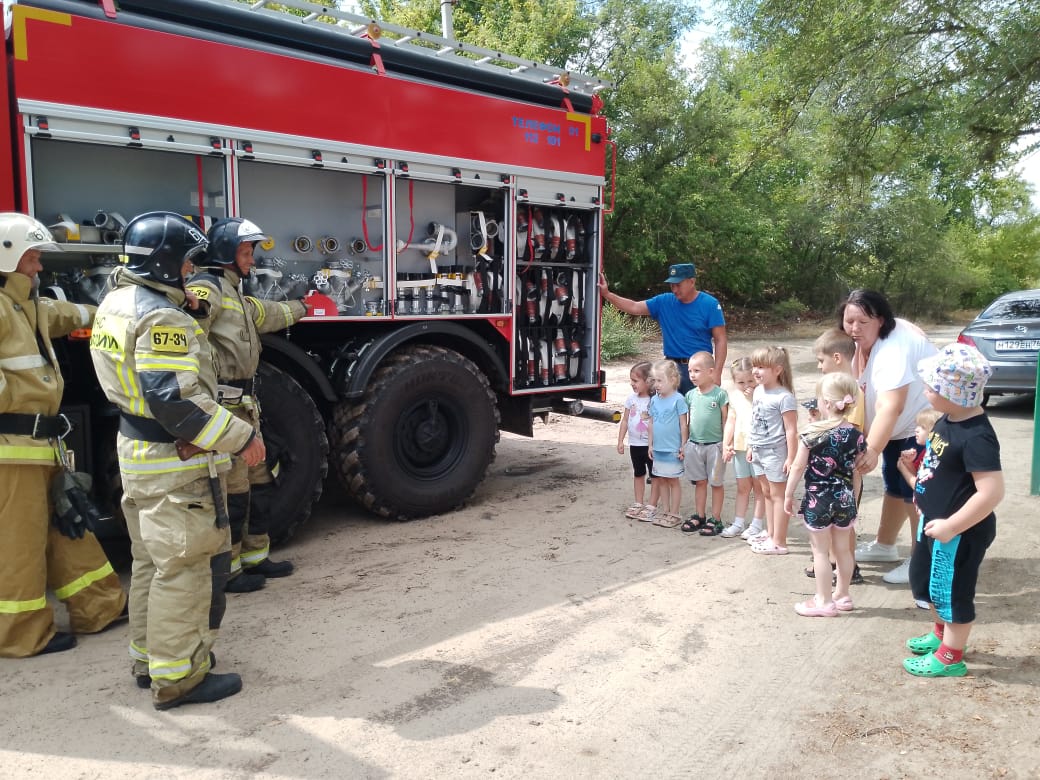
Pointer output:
x,y
40,238
250,231
200,242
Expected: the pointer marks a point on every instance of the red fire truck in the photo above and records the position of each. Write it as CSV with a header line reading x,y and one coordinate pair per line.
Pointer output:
x,y
440,205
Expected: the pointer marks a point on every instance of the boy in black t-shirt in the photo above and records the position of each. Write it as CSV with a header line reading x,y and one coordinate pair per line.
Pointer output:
x,y
959,484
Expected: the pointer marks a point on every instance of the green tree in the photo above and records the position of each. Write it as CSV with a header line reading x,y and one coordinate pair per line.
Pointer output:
x,y
827,145
976,63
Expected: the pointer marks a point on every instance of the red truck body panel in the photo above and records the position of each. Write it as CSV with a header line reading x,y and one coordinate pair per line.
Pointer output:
x,y
227,85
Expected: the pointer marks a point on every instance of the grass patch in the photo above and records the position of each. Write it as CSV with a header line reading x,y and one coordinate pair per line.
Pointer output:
x,y
623,335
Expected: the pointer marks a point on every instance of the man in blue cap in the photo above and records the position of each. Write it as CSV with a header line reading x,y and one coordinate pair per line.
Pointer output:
x,y
691,320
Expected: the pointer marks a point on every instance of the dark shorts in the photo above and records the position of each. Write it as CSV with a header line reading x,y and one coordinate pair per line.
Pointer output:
x,y
895,485
828,505
945,573
640,460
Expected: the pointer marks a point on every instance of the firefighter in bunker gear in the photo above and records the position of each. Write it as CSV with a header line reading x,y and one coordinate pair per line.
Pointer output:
x,y
154,363
234,323
34,556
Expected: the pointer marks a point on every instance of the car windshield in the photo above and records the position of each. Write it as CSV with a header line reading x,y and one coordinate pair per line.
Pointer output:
x,y
1013,309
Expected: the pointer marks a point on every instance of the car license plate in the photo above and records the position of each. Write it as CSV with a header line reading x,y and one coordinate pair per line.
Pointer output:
x,y
1018,345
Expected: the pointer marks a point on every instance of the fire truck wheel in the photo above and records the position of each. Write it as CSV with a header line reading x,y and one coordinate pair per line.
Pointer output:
x,y
423,436
294,434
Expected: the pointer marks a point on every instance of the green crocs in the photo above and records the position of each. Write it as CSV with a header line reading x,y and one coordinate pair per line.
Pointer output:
x,y
924,644
930,666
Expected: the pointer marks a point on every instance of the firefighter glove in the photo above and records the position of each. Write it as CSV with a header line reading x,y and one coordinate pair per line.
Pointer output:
x,y
74,512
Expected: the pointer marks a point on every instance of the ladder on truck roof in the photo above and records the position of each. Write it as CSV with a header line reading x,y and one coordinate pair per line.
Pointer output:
x,y
435,46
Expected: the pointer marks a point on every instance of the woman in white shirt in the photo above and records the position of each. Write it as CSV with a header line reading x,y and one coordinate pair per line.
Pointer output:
x,y
887,353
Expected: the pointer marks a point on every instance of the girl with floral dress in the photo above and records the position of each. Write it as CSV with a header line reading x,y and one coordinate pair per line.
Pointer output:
x,y
827,452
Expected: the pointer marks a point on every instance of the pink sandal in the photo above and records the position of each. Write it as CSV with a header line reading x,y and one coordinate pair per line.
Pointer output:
x,y
768,547
844,604
814,608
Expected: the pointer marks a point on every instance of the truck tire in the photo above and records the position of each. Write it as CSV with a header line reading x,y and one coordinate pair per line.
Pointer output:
x,y
294,434
422,437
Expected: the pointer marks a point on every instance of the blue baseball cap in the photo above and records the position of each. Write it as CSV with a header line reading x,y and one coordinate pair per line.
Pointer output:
x,y
680,271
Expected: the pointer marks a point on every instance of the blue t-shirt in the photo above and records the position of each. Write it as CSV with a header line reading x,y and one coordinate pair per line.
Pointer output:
x,y
686,327
665,414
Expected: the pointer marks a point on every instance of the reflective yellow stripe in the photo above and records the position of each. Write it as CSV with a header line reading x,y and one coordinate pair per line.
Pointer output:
x,y
15,607
255,557
166,366
231,303
214,429
236,564
39,453
167,465
246,401
169,670
154,362
128,379
261,312
80,583
137,652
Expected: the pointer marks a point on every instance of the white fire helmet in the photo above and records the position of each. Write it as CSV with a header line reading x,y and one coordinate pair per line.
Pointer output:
x,y
20,233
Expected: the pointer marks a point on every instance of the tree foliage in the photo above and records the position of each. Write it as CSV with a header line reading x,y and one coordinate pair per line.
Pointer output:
x,y
824,145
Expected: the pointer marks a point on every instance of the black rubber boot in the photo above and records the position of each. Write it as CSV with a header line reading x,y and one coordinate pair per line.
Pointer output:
x,y
60,642
245,583
213,687
145,681
270,568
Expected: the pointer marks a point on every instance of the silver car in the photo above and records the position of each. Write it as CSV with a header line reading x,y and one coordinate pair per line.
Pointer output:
x,y
1008,334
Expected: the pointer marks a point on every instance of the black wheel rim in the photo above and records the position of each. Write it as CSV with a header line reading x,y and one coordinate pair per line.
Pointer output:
x,y
430,438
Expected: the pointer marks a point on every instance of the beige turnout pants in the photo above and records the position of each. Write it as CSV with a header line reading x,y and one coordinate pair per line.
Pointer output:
x,y
35,558
181,564
250,542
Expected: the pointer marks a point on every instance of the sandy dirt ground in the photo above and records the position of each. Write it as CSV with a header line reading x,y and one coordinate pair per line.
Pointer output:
x,y
538,633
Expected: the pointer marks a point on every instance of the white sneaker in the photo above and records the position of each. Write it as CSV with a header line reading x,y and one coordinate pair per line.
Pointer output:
x,y
734,529
751,530
922,604
875,552
900,575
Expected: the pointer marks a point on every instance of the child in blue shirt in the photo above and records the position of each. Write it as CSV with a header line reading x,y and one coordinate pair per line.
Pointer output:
x,y
669,428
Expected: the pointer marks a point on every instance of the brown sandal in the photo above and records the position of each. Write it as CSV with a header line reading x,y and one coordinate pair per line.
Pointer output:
x,y
667,521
